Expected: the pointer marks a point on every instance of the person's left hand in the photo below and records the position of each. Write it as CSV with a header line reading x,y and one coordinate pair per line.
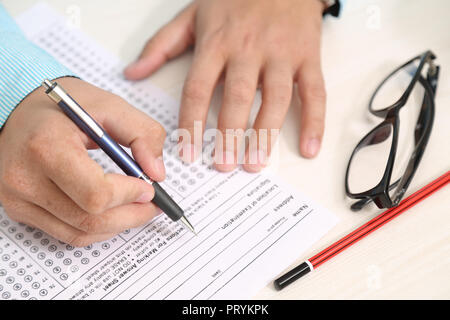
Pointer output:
x,y
275,43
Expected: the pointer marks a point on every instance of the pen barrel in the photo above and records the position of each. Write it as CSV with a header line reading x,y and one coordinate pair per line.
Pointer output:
x,y
161,198
120,156
106,143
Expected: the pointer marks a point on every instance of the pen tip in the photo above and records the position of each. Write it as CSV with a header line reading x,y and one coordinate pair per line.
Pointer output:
x,y
188,224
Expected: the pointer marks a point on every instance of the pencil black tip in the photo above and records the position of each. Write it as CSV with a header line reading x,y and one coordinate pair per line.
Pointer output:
x,y
291,276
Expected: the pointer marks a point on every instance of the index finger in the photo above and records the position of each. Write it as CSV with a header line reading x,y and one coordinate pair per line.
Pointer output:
x,y
197,92
312,93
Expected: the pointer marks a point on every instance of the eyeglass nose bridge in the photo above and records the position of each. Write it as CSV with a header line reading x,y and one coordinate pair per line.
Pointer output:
x,y
382,200
392,110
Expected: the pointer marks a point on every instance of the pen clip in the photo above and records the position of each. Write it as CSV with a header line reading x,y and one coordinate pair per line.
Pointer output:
x,y
58,94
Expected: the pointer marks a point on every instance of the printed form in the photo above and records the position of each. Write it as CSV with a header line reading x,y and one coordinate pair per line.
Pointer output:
x,y
250,226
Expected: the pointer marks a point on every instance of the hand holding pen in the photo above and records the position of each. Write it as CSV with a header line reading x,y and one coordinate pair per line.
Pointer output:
x,y
90,127
48,181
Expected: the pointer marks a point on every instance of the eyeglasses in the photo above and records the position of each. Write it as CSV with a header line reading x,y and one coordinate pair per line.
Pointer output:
x,y
370,169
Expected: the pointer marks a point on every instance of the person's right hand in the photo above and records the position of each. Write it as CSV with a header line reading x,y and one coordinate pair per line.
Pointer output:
x,y
48,181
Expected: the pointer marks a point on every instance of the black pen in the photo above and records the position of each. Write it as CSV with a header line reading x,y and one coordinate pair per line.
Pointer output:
x,y
89,126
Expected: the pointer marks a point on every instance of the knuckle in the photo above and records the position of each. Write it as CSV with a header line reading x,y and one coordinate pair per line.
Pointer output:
x,y
276,42
318,123
249,40
96,202
90,224
159,132
115,99
152,130
280,93
241,91
194,90
212,41
110,99
317,92
37,146
314,123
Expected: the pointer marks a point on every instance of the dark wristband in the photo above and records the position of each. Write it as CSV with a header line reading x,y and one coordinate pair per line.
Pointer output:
x,y
333,10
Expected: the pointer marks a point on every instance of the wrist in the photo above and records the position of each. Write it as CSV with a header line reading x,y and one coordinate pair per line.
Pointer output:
x,y
315,7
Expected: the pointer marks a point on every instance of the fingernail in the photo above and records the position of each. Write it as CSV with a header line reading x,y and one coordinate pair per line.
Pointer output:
x,y
256,160
260,157
312,147
145,197
224,160
132,67
159,163
129,68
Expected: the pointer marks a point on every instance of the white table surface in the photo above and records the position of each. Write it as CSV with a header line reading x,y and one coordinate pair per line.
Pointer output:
x,y
410,256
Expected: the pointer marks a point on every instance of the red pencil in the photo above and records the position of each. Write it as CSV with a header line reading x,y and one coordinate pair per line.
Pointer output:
x,y
360,233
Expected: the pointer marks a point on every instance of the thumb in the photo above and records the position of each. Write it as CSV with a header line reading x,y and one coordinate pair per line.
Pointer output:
x,y
170,41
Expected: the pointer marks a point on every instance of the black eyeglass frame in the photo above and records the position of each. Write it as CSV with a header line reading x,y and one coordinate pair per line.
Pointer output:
x,y
379,194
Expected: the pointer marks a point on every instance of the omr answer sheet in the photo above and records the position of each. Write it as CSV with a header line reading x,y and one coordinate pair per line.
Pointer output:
x,y
250,226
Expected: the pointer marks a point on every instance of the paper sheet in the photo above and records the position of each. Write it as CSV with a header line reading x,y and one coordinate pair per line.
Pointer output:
x,y
250,226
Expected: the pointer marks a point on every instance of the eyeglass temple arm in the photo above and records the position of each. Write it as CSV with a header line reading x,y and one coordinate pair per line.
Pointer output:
x,y
430,85
427,112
